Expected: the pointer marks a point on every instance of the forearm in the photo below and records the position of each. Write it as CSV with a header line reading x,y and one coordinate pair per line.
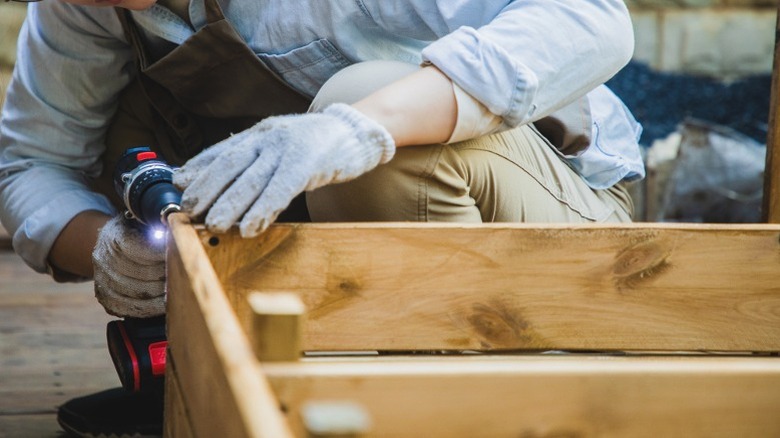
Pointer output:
x,y
51,136
72,250
418,109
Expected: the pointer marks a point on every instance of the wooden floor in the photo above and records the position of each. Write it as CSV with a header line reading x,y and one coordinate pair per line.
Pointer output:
x,y
52,347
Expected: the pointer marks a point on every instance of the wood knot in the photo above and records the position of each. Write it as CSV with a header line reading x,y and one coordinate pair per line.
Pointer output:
x,y
498,326
346,287
339,295
639,263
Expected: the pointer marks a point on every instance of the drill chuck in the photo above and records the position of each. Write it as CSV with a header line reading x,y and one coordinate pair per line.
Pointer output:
x,y
145,184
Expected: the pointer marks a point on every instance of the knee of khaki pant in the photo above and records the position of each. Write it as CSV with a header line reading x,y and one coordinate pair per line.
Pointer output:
x,y
398,190
420,184
389,192
359,80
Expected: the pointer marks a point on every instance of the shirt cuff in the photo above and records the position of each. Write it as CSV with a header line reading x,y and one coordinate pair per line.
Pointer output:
x,y
36,235
487,72
474,119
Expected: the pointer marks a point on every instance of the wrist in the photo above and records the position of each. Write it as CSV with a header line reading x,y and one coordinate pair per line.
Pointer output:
x,y
374,143
70,258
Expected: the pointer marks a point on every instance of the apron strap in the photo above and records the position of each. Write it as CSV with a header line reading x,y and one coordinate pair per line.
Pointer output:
x,y
208,87
213,11
133,38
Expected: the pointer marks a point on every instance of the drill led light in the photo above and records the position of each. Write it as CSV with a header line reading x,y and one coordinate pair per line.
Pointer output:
x,y
158,234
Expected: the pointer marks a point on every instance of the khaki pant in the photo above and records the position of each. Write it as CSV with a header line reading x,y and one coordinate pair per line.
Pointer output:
x,y
513,176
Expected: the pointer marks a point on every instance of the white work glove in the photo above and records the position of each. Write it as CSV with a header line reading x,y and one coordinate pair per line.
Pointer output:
x,y
129,271
254,175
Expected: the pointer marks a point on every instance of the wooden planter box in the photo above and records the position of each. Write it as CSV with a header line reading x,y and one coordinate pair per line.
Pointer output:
x,y
490,330
526,331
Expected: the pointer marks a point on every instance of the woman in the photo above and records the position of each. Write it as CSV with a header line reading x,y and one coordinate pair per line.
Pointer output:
x,y
423,110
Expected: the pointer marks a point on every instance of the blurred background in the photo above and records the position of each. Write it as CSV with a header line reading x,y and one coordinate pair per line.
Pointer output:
x,y
699,83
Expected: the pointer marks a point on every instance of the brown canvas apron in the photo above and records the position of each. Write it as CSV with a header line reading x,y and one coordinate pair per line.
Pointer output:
x,y
194,96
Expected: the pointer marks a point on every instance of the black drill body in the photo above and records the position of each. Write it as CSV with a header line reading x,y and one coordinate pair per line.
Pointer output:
x,y
138,346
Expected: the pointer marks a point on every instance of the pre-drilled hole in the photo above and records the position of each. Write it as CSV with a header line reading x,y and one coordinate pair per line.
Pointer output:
x,y
213,240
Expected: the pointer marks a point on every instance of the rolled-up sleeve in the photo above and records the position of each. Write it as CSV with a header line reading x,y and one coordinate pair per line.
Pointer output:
x,y
71,64
522,59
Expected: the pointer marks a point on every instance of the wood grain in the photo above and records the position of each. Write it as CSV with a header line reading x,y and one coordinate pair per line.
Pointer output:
x,y
29,425
544,396
52,348
421,287
426,286
178,421
224,392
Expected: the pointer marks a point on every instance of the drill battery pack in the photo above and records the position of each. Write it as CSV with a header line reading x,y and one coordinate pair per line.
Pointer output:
x,y
138,349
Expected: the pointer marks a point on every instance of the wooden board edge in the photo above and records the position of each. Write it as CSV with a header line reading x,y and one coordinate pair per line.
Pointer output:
x,y
177,418
620,288
284,227
543,396
771,203
223,387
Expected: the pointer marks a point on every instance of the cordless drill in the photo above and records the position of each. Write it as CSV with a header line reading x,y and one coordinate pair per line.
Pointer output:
x,y
138,345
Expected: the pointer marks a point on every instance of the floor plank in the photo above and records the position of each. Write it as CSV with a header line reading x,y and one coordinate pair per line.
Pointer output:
x,y
52,348
32,425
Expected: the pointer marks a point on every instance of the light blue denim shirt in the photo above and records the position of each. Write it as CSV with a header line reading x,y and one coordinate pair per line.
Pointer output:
x,y
522,59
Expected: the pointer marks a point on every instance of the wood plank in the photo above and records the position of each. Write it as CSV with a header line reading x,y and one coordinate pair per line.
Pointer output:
x,y
46,391
18,278
544,396
29,425
177,417
52,348
224,393
772,172
502,286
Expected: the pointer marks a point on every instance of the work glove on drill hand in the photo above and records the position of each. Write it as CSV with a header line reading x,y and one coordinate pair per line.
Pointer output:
x,y
129,271
254,175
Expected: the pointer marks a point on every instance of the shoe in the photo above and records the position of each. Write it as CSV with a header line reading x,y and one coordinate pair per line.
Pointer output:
x,y
113,413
